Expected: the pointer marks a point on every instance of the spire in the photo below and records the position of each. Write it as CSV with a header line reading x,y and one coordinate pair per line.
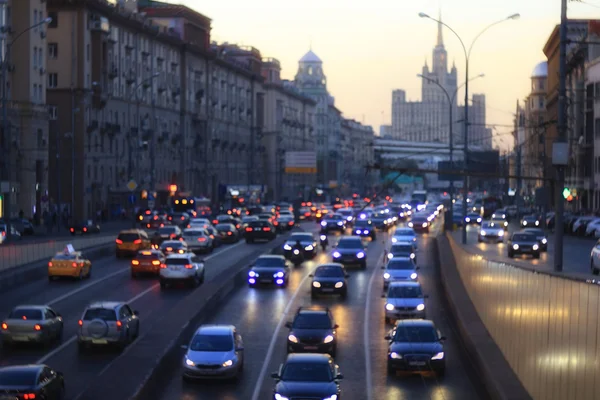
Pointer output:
x,y
440,39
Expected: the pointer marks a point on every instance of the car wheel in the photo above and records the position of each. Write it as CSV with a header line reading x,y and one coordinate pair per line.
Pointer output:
x,y
248,241
82,347
81,276
388,321
333,351
51,278
510,255
202,277
441,372
62,393
59,335
134,275
391,370
595,271
89,274
364,265
536,255
313,295
344,294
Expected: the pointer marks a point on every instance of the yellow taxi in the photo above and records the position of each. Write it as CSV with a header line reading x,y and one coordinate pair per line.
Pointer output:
x,y
69,263
130,241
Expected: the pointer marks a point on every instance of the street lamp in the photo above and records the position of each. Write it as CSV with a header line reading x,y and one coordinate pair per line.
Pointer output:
x,y
467,53
5,124
451,99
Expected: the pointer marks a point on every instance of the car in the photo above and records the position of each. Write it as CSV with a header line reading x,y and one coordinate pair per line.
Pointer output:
x,y
405,235
329,278
170,232
180,219
403,250
530,221
169,247
147,262
156,222
333,222
185,267
130,241
269,269
473,218
500,214
404,300
399,269
286,220
416,345
228,233
364,228
31,324
420,223
313,330
214,235
14,233
348,214
350,250
380,221
307,242
198,240
307,376
247,220
227,219
490,231
498,220
69,263
540,236
259,230
523,243
84,227
201,223
107,323
215,351
32,381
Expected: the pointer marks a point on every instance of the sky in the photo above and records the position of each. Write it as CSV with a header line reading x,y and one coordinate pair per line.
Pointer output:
x,y
370,48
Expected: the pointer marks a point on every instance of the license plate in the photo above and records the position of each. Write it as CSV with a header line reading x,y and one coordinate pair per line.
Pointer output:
x,y
265,280
417,363
327,290
174,268
257,229
20,338
99,341
310,347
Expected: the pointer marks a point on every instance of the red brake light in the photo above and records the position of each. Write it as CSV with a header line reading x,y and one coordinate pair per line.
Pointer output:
x,y
4,326
229,233
119,325
72,230
85,229
137,241
182,218
50,263
155,217
80,322
147,225
163,266
202,239
189,226
189,266
238,226
119,241
29,396
212,236
162,225
148,212
3,233
248,229
291,223
37,327
215,221
275,223
74,265
267,229
155,262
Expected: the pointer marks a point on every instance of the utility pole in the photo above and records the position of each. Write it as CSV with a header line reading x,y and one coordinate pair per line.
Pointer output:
x,y
545,188
73,101
519,180
6,131
153,146
562,139
466,155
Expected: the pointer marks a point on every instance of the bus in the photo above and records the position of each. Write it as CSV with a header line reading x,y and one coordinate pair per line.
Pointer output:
x,y
197,207
418,199
489,205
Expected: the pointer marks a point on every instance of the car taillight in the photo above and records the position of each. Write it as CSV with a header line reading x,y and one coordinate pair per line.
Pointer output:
x,y
163,266
135,262
238,226
215,221
189,226
3,233
212,236
74,265
37,327
155,217
275,223
248,229
29,396
119,325
229,233
189,266
267,229
307,214
182,218
202,239
50,263
162,225
147,225
119,241
291,223
80,322
155,262
4,326
72,230
85,229
137,241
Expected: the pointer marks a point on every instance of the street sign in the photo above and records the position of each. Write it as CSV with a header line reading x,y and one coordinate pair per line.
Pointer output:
x,y
150,203
132,185
132,198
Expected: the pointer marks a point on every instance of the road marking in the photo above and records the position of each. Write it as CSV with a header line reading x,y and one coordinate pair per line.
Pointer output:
x,y
369,381
263,370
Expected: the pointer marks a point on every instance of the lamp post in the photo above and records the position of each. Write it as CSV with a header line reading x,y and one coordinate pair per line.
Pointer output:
x,y
451,123
5,124
467,53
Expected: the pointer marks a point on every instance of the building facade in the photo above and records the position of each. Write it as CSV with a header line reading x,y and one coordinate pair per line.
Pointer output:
x,y
358,142
25,139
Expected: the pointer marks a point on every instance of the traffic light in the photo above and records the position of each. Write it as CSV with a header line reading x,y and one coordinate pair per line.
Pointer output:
x,y
566,194
173,190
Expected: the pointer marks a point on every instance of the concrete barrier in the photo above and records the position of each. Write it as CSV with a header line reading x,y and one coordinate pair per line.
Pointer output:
x,y
546,325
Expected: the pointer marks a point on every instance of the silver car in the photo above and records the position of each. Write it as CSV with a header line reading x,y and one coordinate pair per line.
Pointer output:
x,y
198,240
31,323
108,322
215,351
491,231
399,269
182,268
404,300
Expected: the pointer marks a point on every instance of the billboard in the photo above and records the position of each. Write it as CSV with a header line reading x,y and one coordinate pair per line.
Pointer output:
x,y
300,162
448,171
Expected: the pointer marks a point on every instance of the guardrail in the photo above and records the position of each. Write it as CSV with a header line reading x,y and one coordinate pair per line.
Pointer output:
x,y
546,325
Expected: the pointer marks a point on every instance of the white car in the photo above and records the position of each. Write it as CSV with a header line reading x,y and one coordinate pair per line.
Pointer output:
x,y
595,259
580,221
201,223
491,231
405,235
592,227
182,268
198,240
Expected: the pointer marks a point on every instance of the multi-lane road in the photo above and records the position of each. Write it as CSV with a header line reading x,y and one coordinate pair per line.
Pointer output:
x,y
111,280
576,251
260,315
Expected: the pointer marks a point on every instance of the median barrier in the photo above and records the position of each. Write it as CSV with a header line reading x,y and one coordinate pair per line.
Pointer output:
x,y
546,325
134,373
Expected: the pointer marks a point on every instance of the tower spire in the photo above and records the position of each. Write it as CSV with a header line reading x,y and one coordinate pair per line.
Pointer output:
x,y
440,38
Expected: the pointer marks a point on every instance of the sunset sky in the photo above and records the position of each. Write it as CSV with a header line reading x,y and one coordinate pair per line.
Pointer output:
x,y
371,47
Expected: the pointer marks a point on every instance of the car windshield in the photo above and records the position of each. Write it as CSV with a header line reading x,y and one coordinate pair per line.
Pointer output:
x,y
224,227
537,232
18,378
335,217
249,219
349,244
415,334
270,262
195,232
404,232
223,218
65,257
204,342
312,321
362,224
345,213
523,238
167,230
307,372
100,313
405,292
25,313
172,244
146,255
128,237
401,249
177,261
329,271
529,218
400,264
488,226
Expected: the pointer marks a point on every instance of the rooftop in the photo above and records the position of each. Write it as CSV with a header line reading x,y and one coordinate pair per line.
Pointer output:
x,y
310,57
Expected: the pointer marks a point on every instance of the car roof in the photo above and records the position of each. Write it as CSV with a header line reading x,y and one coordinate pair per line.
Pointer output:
x,y
215,329
308,357
403,259
271,256
137,231
22,368
313,310
171,242
415,322
404,284
302,234
30,307
109,305
350,239
330,265
178,256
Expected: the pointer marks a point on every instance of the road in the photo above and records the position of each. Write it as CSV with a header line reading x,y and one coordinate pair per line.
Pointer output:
x,y
576,252
260,314
110,281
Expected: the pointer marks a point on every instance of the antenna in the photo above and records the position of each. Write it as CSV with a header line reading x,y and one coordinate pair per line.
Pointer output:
x,y
310,43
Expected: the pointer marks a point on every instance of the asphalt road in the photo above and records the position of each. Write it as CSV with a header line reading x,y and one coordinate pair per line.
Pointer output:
x,y
111,280
576,251
260,314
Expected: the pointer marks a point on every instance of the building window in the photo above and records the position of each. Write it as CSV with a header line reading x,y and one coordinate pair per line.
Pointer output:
x,y
35,20
53,112
54,22
35,58
53,51
52,81
41,143
541,102
87,52
597,127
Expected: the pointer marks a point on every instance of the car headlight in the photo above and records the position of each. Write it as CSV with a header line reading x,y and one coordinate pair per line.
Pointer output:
x,y
438,356
340,223
524,223
500,233
278,275
339,285
467,219
410,224
537,223
515,246
420,307
323,223
482,233
366,232
544,241
309,248
332,397
535,247
328,339
316,284
280,397
336,254
389,307
252,274
292,338
390,256
505,223
395,355
189,362
296,251
414,239
412,256
323,237
386,276
413,275
360,255
424,225
478,220
227,363
394,240
287,247
349,219
363,216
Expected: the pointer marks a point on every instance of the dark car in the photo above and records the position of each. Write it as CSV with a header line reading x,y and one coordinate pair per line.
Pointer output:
x,y
35,381
269,269
539,235
84,227
227,219
530,221
227,233
313,330
334,222
473,218
416,345
259,230
147,262
246,220
24,226
180,219
214,235
156,222
380,221
173,247
523,243
350,250
307,376
170,232
329,279
364,228
307,243
403,250
421,223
